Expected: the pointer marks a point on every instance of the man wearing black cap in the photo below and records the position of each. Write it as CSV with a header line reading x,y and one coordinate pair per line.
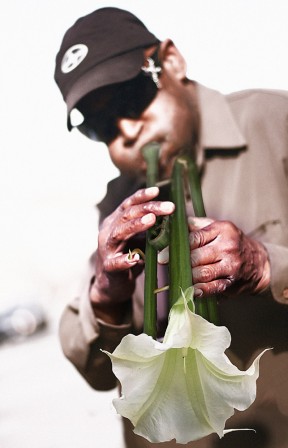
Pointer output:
x,y
128,89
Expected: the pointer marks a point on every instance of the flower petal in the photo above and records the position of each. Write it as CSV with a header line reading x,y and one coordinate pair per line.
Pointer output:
x,y
186,387
137,363
165,413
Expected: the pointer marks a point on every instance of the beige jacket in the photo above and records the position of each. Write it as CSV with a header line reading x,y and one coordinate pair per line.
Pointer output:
x,y
244,153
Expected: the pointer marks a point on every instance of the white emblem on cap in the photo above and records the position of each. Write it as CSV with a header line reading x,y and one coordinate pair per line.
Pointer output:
x,y
76,117
73,57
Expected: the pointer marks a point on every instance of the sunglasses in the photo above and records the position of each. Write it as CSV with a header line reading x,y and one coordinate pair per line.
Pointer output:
x,y
104,107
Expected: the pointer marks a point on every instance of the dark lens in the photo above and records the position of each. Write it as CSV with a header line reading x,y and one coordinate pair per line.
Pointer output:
x,y
135,96
104,107
101,128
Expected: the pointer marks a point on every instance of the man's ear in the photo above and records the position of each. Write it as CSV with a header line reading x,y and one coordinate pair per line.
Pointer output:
x,y
172,60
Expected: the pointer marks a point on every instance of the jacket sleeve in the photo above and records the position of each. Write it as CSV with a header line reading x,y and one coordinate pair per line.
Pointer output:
x,y
82,336
278,256
264,122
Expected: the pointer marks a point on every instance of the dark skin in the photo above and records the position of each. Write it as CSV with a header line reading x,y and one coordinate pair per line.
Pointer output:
x,y
115,270
224,260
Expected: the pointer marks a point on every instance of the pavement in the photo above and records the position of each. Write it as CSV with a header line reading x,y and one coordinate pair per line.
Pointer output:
x,y
45,403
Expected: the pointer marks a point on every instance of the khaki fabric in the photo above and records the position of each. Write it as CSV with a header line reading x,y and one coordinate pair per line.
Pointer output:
x,y
244,163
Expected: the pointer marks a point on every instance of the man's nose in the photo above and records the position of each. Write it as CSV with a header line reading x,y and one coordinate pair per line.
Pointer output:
x,y
130,128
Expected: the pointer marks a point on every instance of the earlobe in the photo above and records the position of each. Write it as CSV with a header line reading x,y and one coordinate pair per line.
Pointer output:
x,y
172,60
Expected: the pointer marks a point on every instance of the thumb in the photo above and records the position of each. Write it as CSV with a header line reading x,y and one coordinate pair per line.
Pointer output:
x,y
198,223
202,232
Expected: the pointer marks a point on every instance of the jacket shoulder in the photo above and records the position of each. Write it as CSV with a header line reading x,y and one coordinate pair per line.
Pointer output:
x,y
260,107
260,97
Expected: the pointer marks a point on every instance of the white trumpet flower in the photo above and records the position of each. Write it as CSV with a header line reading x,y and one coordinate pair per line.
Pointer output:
x,y
185,387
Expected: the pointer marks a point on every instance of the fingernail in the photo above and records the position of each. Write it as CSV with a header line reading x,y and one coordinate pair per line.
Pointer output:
x,y
147,219
152,190
198,292
163,256
132,258
167,207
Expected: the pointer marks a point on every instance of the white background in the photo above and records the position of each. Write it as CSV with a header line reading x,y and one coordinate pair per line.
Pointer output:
x,y
50,179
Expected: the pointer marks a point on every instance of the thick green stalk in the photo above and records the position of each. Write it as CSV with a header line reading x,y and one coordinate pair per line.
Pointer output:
x,y
179,251
151,155
207,307
195,187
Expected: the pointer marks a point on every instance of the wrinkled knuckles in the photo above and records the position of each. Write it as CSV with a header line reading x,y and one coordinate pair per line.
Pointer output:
x,y
191,238
115,264
131,213
207,274
197,239
235,234
202,274
222,286
194,260
229,226
114,237
128,202
216,287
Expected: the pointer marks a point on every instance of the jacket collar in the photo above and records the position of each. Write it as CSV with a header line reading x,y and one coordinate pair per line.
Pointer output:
x,y
219,129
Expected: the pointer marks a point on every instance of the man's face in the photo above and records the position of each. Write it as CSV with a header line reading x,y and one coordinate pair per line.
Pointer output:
x,y
171,119
135,113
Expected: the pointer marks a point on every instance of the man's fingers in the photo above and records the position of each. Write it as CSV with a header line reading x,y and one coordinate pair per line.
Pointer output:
x,y
135,220
156,207
121,262
201,237
143,195
126,230
210,272
208,289
205,255
196,223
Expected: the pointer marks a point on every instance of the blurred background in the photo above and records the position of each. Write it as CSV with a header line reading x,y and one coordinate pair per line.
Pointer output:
x,y
50,181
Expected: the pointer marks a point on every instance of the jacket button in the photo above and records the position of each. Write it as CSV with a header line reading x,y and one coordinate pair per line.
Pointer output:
x,y
285,293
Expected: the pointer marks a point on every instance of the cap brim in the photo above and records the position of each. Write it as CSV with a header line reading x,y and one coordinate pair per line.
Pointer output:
x,y
115,70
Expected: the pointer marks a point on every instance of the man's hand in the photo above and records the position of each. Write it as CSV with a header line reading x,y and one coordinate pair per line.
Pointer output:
x,y
115,270
224,260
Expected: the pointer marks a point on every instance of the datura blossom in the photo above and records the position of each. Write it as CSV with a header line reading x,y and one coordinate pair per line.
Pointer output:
x,y
185,387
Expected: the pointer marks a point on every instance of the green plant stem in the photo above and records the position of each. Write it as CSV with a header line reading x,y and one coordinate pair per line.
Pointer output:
x,y
151,155
195,187
206,307
179,251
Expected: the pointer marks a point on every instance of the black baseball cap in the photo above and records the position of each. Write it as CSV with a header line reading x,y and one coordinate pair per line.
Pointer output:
x,y
101,48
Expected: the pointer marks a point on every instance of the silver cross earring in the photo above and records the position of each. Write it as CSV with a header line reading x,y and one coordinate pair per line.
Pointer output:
x,y
152,71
